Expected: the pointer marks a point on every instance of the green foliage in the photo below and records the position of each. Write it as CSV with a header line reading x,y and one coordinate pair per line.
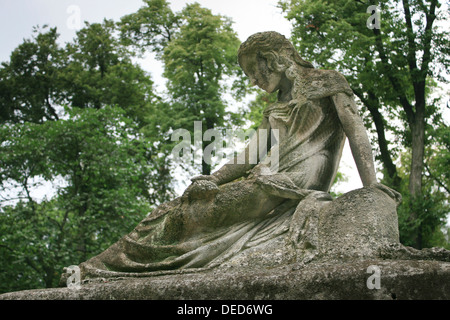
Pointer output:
x,y
102,160
102,152
152,26
199,52
431,212
438,156
393,71
100,73
197,59
433,207
30,81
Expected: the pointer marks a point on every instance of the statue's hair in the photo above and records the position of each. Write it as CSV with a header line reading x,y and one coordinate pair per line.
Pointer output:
x,y
271,42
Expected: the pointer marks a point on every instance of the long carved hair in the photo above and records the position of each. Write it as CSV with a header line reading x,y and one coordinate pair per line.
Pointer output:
x,y
274,44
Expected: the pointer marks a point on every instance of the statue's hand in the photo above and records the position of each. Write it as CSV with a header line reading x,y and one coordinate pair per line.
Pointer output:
x,y
202,187
390,192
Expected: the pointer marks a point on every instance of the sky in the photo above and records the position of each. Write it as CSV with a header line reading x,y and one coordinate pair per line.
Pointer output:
x,y
18,17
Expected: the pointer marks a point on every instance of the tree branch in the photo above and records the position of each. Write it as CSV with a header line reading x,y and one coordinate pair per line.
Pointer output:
x,y
407,107
411,40
436,179
6,247
32,265
431,16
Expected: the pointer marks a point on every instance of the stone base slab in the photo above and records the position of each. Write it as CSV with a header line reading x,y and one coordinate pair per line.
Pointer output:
x,y
398,279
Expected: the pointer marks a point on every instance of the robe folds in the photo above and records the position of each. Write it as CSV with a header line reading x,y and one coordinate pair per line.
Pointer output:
x,y
310,145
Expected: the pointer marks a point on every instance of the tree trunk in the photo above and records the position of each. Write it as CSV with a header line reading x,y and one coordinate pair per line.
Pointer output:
x,y
206,168
415,178
206,165
418,136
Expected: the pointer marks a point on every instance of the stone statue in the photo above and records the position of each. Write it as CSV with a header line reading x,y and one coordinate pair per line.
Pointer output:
x,y
250,215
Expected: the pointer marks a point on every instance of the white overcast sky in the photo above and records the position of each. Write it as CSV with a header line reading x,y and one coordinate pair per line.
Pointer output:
x,y
17,18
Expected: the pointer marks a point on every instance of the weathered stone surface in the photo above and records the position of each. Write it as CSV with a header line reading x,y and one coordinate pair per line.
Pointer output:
x,y
329,261
246,232
358,224
399,279
266,200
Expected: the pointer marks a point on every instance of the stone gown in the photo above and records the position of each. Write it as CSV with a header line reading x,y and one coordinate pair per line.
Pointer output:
x,y
310,144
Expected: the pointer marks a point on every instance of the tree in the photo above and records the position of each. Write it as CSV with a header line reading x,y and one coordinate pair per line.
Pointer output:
x,y
30,81
99,72
433,206
196,61
83,115
438,156
102,160
152,26
94,71
199,52
389,69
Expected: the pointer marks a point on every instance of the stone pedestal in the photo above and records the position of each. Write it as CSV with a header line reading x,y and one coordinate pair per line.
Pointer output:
x,y
342,249
398,279
358,224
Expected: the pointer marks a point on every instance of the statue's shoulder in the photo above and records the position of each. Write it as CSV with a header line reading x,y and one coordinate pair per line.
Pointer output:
x,y
331,76
321,83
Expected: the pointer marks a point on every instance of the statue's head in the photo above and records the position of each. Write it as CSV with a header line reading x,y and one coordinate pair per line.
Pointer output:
x,y
266,56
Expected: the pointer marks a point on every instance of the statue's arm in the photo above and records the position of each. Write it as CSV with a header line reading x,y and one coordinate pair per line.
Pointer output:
x,y
357,136
352,125
234,169
330,83
359,143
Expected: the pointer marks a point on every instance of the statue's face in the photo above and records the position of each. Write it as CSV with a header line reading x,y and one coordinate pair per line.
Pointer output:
x,y
257,69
